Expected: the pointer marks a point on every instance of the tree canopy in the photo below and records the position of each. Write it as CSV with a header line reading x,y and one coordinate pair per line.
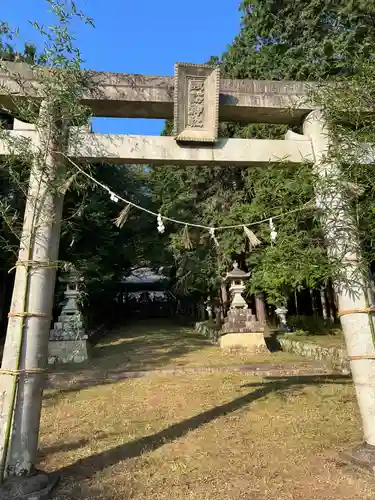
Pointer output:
x,y
307,40
301,40
278,39
91,242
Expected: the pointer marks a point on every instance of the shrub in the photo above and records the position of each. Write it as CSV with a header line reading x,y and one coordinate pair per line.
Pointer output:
x,y
312,325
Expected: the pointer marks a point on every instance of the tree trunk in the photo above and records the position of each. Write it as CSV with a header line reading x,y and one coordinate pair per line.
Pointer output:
x,y
260,308
26,346
332,304
313,302
3,293
224,300
324,302
296,303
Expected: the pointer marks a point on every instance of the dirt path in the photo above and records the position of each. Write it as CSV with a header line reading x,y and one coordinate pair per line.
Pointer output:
x,y
88,378
149,349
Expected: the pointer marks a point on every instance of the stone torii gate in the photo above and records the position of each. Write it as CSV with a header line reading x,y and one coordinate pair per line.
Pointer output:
x,y
198,100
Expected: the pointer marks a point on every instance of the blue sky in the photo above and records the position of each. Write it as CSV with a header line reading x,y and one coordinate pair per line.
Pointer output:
x,y
140,37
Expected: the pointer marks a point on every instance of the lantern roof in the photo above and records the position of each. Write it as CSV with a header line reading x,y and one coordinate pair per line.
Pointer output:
x,y
237,273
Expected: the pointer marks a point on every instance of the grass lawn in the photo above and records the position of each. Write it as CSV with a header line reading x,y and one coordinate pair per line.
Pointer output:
x,y
145,346
200,436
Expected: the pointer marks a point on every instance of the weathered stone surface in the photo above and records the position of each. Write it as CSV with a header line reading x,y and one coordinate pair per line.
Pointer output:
x,y
242,331
68,331
237,278
336,357
196,102
37,486
208,331
138,149
362,456
242,321
68,338
68,351
164,150
251,342
142,96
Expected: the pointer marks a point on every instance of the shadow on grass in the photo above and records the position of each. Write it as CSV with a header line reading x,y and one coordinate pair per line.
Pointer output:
x,y
88,466
148,343
144,345
62,447
72,445
272,342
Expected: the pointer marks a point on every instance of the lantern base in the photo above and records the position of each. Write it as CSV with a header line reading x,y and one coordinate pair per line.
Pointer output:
x,y
362,456
68,351
251,342
36,486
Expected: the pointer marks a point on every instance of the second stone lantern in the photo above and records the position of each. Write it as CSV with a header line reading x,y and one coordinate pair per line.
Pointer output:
x,y
237,279
241,329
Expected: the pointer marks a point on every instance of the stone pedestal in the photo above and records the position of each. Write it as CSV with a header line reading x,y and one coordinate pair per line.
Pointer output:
x,y
362,456
242,331
68,351
37,485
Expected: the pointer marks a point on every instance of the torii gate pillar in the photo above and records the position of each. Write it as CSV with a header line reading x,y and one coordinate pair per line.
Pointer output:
x,y
352,292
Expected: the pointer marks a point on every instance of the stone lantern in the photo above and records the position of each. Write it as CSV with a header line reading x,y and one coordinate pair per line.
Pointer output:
x,y
68,338
237,279
281,313
209,309
241,329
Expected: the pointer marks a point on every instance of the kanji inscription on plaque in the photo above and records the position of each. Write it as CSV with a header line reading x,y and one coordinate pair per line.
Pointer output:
x,y
196,102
